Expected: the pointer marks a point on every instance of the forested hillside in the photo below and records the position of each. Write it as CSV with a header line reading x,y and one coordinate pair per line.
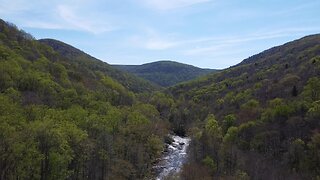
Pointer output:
x,y
82,60
165,73
258,119
66,115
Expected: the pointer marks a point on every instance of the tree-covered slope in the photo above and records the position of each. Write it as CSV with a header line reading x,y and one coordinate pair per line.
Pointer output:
x,y
258,119
165,73
67,116
82,60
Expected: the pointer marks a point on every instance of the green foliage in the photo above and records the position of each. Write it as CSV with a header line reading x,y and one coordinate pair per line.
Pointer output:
x,y
212,127
154,144
14,94
9,71
313,159
252,103
231,135
165,73
274,97
297,155
314,110
135,119
278,111
69,116
312,90
228,121
241,175
266,142
245,134
208,161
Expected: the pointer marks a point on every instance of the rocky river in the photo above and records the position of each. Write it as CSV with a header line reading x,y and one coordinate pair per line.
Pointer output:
x,y
173,158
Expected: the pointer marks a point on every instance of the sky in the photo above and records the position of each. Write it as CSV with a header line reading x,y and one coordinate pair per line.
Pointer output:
x,y
205,33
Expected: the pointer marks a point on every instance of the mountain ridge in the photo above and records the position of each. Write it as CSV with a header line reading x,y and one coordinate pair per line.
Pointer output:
x,y
282,48
130,81
165,72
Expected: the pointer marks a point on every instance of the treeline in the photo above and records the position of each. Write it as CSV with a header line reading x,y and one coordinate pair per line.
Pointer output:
x,y
61,120
257,120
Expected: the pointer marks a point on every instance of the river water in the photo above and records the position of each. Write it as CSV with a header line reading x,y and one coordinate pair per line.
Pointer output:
x,y
173,158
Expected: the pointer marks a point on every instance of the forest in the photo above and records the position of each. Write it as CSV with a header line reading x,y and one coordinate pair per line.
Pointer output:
x,y
67,115
258,119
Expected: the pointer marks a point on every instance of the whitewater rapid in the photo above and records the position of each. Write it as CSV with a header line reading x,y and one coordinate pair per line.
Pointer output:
x,y
173,158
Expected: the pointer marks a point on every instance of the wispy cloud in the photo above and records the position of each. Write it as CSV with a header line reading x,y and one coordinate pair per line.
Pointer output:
x,y
164,5
159,44
153,40
43,25
55,14
12,7
215,45
291,10
152,43
75,21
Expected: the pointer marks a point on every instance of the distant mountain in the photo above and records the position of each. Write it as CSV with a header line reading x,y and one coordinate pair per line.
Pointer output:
x,y
83,60
165,73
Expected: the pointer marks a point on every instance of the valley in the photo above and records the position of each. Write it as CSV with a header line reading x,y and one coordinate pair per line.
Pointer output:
x,y
67,115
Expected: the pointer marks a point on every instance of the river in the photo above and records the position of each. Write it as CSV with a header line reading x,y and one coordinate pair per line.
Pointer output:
x,y
173,158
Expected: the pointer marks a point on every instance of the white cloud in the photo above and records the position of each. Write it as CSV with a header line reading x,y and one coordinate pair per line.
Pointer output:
x,y
290,10
159,44
56,14
75,21
152,43
43,25
12,7
214,45
153,40
164,5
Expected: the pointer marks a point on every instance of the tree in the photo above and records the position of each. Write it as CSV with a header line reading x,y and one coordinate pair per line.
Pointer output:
x,y
231,135
312,90
228,121
314,110
208,161
297,155
314,154
212,127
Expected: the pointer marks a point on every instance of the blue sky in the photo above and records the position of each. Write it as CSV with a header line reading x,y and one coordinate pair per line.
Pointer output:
x,y
204,33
